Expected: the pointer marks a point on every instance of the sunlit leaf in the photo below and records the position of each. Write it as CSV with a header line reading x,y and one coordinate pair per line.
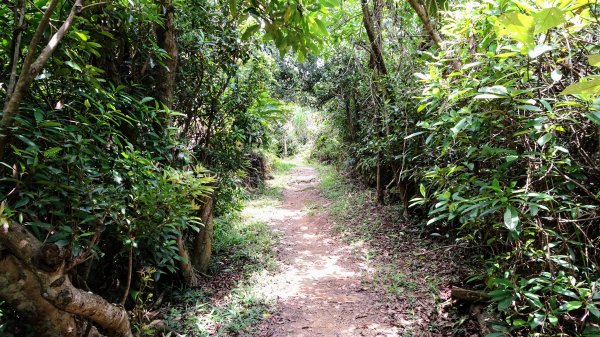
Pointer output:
x,y
583,87
539,50
519,27
594,60
547,18
511,219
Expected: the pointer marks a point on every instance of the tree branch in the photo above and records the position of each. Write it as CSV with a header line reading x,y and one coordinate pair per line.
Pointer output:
x,y
30,70
422,13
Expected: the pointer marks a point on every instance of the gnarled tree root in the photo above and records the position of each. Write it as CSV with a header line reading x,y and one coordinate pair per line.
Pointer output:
x,y
33,280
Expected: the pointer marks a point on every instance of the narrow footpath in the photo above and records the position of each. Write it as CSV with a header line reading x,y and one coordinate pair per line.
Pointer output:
x,y
319,287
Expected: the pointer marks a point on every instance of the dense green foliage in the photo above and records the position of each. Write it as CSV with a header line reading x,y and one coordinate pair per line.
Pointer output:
x,y
489,141
147,111
101,164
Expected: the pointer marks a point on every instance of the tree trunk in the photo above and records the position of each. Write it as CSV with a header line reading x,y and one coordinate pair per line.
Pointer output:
x,y
20,288
167,40
372,24
374,37
469,295
203,240
189,276
34,280
380,183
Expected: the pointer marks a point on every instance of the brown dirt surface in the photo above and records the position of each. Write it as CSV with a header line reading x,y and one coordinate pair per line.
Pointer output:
x,y
320,288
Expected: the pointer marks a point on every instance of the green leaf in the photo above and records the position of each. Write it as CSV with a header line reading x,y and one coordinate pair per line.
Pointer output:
x,y
583,87
547,18
544,139
38,115
593,310
511,219
423,191
594,117
27,141
287,14
534,300
506,303
233,8
529,107
73,65
496,89
572,305
565,292
594,60
556,75
51,152
538,319
539,50
519,27
250,31
82,36
486,96
146,100
329,3
321,27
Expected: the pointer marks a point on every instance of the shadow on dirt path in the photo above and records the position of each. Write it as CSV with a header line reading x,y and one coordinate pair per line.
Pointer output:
x,y
318,289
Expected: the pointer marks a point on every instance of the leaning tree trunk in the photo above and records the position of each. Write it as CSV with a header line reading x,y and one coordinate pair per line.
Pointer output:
x,y
427,23
34,280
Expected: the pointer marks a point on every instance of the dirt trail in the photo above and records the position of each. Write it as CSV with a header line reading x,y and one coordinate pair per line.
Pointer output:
x,y
319,288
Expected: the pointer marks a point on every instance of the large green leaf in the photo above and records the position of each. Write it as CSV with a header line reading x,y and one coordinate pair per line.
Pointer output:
x,y
547,18
583,87
519,27
594,60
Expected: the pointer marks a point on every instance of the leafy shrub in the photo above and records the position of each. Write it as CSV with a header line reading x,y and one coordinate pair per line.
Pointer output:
x,y
507,156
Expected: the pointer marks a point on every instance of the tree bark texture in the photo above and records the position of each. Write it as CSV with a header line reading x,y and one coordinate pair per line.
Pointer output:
x,y
469,295
167,40
429,27
187,269
203,239
374,36
373,25
33,279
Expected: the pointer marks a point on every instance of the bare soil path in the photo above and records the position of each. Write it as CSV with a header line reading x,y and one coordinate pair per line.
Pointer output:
x,y
319,288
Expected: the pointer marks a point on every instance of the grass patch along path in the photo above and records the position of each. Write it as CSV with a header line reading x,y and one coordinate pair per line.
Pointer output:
x,y
319,287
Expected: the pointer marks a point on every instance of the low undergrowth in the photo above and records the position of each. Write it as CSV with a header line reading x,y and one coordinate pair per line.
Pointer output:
x,y
229,304
232,300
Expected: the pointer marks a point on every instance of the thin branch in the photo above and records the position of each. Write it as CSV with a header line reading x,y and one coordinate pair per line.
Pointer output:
x,y
30,70
16,47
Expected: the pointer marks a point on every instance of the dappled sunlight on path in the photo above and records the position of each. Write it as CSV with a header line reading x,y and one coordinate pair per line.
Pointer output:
x,y
318,288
